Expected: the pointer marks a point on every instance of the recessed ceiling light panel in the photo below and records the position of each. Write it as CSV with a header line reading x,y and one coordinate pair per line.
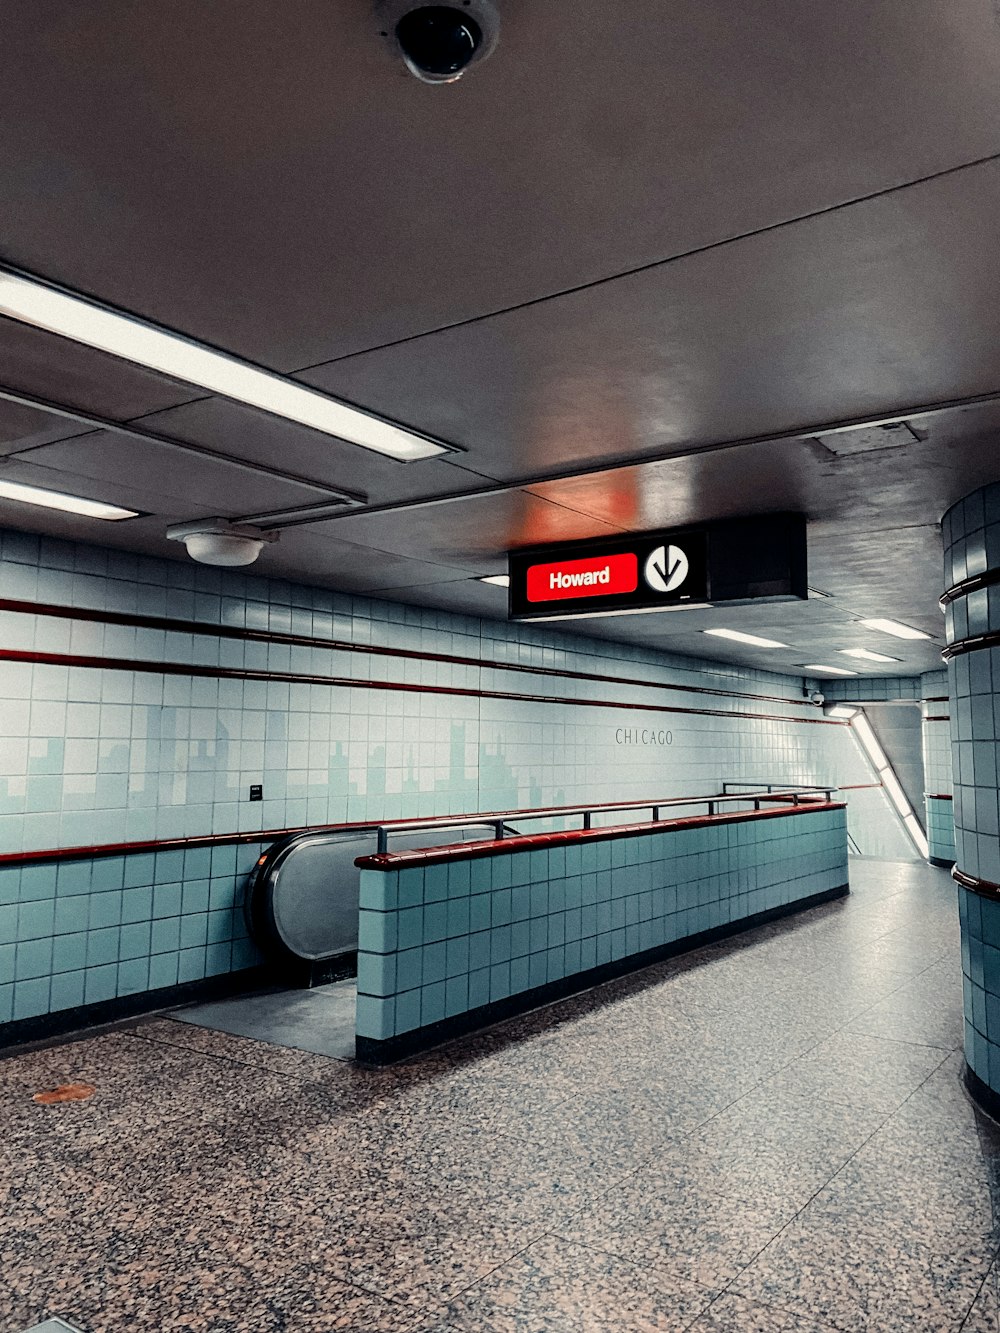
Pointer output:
x,y
867,655
739,637
831,670
69,504
498,580
895,628
70,316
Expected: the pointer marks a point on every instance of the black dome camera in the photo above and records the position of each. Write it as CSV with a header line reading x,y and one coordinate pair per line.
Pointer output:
x,y
438,43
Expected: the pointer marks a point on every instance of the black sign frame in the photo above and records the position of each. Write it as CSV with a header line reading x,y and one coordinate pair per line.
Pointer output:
x,y
733,561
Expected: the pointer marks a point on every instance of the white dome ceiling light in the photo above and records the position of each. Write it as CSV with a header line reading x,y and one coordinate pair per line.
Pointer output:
x,y
216,541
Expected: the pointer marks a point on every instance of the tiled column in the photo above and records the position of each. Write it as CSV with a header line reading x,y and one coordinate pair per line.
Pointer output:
x,y
971,533
935,733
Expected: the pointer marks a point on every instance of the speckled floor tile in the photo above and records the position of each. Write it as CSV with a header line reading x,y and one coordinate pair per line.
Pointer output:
x,y
555,1287
251,1233
934,1212
735,1314
902,952
141,1088
984,1317
352,1083
915,1149
611,1129
172,1278
909,1017
773,1130
416,1223
864,1279
691,1216
938,1133
854,1070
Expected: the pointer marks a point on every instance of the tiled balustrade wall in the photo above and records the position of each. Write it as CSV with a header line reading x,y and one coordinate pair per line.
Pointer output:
x,y
870,689
129,732
439,940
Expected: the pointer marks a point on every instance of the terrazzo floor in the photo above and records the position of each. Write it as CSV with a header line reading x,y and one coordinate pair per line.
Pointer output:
x,y
769,1134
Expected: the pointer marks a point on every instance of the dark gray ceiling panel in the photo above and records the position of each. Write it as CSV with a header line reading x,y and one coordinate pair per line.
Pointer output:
x,y
887,304
472,534
334,563
232,428
45,366
22,427
160,476
264,177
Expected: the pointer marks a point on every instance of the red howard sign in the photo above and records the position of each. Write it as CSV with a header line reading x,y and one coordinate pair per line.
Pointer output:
x,y
600,576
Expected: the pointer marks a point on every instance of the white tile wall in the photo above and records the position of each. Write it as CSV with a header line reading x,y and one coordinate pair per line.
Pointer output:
x,y
92,755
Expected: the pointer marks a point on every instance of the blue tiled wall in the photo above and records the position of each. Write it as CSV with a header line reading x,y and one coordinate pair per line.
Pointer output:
x,y
940,829
980,918
441,940
81,932
870,689
972,544
971,533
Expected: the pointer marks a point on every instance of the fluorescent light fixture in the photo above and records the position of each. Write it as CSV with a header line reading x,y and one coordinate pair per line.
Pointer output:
x,y
841,710
917,834
498,580
879,760
45,307
895,790
895,628
739,637
833,671
70,504
867,655
868,739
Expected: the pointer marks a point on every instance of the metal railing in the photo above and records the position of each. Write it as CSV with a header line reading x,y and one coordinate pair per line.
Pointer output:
x,y
728,787
766,792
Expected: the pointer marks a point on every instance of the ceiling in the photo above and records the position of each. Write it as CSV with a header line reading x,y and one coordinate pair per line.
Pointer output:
x,y
639,272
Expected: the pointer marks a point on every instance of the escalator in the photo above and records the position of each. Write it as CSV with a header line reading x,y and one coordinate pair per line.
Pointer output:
x,y
301,902
302,897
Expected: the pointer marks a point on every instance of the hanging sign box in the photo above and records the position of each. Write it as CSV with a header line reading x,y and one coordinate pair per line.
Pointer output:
x,y
736,560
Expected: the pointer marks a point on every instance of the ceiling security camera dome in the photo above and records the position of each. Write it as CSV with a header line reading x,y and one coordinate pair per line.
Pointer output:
x,y
216,541
438,43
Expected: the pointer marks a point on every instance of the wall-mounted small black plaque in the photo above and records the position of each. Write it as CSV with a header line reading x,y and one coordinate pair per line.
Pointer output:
x,y
257,792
